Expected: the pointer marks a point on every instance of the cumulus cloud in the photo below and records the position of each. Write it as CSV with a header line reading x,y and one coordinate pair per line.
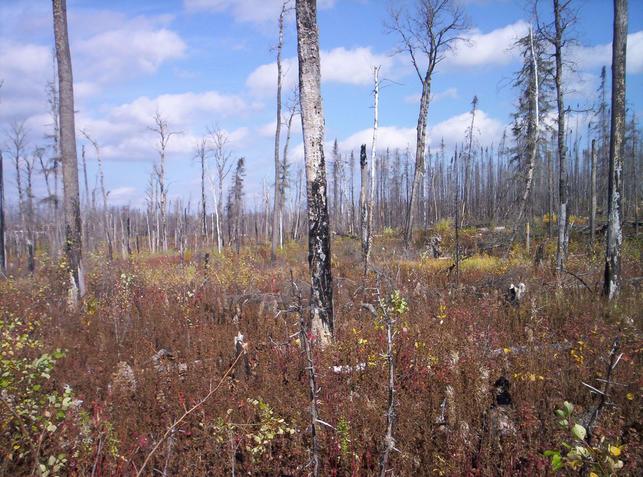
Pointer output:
x,y
452,130
23,67
124,130
588,57
126,52
254,11
352,66
485,49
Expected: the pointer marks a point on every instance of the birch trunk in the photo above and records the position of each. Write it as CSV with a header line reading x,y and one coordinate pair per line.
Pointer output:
x,y
312,122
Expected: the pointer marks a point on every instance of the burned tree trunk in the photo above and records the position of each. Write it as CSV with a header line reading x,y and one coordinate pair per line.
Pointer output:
x,y
73,241
592,185
363,202
612,281
312,123
373,176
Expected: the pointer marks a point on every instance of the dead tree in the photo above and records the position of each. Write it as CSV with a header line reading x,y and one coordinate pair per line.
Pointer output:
x,y
612,280
223,165
312,123
73,234
562,20
3,250
18,139
162,129
278,204
200,153
592,212
373,176
468,159
285,167
101,178
426,34
363,203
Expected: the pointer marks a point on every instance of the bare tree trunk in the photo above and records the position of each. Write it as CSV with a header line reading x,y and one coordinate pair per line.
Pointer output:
x,y
312,121
612,281
467,166
363,203
563,226
592,213
419,155
550,194
457,218
3,250
204,215
276,211
373,178
101,177
73,241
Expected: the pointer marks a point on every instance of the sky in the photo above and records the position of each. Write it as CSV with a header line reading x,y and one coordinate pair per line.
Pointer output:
x,y
211,63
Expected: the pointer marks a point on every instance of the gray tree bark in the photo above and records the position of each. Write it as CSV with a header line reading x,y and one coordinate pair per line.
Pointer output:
x,y
563,226
277,206
71,203
611,285
3,251
592,212
312,122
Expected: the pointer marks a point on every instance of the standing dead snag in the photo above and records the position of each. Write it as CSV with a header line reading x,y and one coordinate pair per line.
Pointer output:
x,y
617,132
373,177
312,123
73,241
426,35
278,203
162,129
363,202
562,20
3,256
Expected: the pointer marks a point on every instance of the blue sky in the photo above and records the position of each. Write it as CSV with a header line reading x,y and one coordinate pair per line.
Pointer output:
x,y
210,62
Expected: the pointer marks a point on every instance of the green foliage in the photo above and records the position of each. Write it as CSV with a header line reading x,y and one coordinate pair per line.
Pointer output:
x,y
344,432
601,460
32,409
259,435
397,303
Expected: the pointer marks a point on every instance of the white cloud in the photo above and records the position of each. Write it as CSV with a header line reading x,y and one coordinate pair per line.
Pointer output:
x,y
254,11
387,136
449,93
588,57
126,52
23,67
452,130
124,133
182,109
485,49
340,65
